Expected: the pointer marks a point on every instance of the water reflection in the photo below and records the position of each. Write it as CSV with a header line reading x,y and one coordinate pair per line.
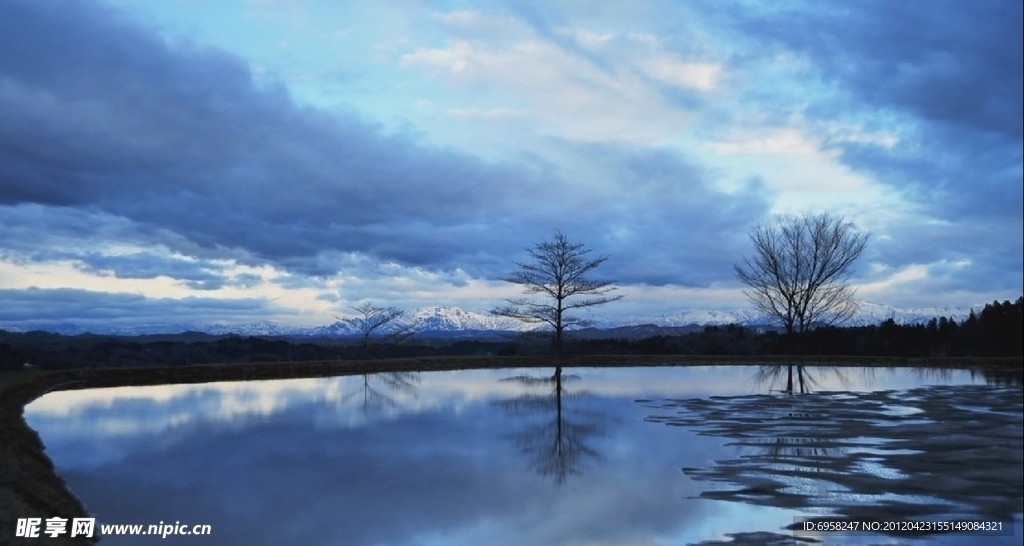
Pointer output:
x,y
806,379
771,375
556,437
1002,376
560,457
928,452
376,399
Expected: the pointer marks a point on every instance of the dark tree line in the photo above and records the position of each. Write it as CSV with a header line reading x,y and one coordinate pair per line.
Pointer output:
x,y
47,350
994,332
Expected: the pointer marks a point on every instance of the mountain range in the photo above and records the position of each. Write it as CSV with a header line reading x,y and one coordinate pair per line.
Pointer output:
x,y
458,322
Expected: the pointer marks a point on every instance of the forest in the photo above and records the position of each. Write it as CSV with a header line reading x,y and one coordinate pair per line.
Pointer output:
x,y
994,332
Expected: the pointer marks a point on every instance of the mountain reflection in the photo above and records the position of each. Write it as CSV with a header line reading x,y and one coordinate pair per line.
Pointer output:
x,y
467,458
377,391
557,436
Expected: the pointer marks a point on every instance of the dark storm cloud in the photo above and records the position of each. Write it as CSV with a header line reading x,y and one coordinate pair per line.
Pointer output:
x,y
956,174
85,306
31,230
148,142
673,227
947,61
964,255
949,75
150,265
97,113
246,280
950,70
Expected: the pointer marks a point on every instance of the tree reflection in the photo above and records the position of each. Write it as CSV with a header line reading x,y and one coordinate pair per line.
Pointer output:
x,y
802,382
864,454
557,438
378,398
1001,376
798,379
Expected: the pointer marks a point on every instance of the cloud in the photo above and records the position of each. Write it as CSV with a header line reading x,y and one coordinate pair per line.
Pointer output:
x,y
433,148
179,144
181,138
85,307
947,62
675,227
948,75
700,75
571,93
488,113
150,265
924,99
958,257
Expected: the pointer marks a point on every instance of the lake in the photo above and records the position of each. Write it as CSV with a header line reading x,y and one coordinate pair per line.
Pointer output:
x,y
572,456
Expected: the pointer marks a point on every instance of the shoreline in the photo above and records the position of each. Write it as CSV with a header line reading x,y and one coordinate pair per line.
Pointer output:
x,y
78,378
31,487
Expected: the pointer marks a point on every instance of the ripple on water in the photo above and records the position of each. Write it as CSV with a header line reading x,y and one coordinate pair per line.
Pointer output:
x,y
932,452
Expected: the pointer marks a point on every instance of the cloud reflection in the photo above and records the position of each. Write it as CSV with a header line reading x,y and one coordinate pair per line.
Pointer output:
x,y
286,462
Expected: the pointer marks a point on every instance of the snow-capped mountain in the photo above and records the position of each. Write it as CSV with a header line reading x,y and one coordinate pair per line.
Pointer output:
x,y
867,314
453,320
427,319
698,317
257,328
876,313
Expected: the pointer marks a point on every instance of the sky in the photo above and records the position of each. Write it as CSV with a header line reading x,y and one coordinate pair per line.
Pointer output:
x,y
187,161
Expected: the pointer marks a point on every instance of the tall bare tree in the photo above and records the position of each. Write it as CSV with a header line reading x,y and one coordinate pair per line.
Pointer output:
x,y
384,323
558,271
800,270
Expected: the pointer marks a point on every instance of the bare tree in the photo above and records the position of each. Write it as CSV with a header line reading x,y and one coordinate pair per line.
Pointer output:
x,y
800,270
383,322
558,272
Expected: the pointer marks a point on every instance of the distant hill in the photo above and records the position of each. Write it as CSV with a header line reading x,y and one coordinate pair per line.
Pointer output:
x,y
455,322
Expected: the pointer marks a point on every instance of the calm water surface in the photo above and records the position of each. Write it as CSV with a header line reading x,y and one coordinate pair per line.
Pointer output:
x,y
593,456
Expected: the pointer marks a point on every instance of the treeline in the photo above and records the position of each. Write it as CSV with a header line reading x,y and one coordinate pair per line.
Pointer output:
x,y
994,332
45,350
54,351
998,331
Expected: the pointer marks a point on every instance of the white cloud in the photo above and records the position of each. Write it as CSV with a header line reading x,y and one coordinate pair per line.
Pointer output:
x,y
487,113
903,285
703,76
783,141
567,95
465,18
792,163
590,40
64,273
